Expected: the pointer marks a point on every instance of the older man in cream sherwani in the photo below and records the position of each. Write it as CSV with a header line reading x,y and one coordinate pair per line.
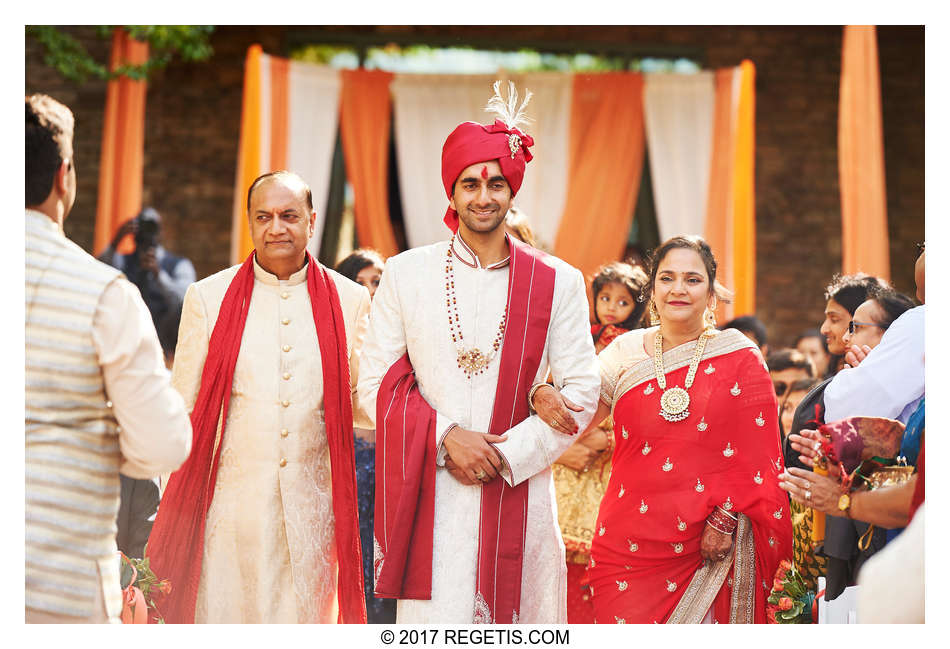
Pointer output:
x,y
270,552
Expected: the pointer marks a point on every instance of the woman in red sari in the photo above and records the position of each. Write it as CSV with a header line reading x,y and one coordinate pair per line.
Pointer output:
x,y
693,524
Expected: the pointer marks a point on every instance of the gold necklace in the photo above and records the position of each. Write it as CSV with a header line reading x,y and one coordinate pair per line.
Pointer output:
x,y
471,361
674,403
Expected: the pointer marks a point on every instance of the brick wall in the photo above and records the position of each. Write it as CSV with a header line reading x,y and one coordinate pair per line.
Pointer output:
x,y
193,121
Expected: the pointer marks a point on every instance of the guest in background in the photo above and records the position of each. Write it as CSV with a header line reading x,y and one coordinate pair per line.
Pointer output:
x,y
365,266
161,277
582,471
865,331
786,366
813,345
844,295
753,328
138,505
790,399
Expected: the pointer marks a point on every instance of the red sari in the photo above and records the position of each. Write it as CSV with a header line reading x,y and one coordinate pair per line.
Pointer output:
x,y
667,478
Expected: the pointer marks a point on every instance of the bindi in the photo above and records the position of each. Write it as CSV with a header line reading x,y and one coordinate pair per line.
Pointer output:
x,y
485,172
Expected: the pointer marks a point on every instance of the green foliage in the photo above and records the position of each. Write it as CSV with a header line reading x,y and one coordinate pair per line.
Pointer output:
x,y
71,59
146,581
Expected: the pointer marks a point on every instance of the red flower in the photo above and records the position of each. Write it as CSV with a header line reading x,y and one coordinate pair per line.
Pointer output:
x,y
778,585
783,567
785,603
165,586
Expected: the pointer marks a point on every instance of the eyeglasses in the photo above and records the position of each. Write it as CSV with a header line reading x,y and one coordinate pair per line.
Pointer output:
x,y
852,326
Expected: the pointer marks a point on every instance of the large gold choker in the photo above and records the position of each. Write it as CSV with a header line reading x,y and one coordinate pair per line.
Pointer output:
x,y
674,403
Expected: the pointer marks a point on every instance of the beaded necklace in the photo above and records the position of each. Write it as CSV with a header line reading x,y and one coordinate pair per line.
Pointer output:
x,y
471,361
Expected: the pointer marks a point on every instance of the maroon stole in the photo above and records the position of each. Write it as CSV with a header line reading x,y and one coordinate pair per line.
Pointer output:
x,y
405,460
177,539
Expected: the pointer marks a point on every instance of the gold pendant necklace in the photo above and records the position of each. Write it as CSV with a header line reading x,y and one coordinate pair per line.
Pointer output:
x,y
674,403
471,361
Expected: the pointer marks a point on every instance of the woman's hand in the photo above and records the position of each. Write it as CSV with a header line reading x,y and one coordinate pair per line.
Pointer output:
x,y
596,439
554,409
714,545
578,456
810,489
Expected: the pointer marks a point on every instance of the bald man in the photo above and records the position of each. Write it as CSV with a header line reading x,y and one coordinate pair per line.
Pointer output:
x,y
280,532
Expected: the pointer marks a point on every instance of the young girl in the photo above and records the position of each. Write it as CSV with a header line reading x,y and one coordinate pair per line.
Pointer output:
x,y
581,473
616,309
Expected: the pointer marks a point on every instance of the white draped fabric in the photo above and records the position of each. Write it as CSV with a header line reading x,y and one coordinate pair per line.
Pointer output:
x,y
544,192
314,103
678,114
426,108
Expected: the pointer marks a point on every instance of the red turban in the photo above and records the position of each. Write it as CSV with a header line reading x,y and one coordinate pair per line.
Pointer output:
x,y
472,142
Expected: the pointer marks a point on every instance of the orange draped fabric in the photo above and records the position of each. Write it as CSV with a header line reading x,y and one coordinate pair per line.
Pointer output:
x,y
279,111
743,189
718,226
864,238
249,153
365,117
606,159
123,145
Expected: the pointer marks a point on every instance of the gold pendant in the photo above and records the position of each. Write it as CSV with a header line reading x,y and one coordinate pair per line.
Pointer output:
x,y
472,361
674,404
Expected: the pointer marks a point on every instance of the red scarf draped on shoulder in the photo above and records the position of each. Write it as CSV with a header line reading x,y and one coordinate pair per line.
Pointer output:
x,y
177,539
405,460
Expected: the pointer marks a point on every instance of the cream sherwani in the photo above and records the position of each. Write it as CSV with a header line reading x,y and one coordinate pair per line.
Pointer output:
x,y
409,313
269,553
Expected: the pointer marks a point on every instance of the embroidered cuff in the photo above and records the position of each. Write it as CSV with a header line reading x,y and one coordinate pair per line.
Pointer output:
x,y
442,426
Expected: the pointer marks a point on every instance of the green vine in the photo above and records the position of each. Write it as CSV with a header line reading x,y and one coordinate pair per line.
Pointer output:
x,y
71,59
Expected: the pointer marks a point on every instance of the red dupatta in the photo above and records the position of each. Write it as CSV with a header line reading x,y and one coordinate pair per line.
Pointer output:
x,y
405,484
176,542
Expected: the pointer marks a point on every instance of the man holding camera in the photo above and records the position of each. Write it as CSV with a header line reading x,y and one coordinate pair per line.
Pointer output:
x,y
160,276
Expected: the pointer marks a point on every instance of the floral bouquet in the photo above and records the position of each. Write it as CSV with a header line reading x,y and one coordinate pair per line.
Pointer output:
x,y
790,601
139,584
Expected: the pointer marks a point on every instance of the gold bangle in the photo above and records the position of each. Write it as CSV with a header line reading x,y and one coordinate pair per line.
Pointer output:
x,y
532,391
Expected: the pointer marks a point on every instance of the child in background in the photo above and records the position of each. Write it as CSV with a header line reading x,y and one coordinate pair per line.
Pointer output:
x,y
582,472
616,287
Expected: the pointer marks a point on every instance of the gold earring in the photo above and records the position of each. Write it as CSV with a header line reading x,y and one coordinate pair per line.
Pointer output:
x,y
654,316
709,319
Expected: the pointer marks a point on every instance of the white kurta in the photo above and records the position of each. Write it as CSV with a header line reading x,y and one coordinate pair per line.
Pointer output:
x,y
269,553
409,313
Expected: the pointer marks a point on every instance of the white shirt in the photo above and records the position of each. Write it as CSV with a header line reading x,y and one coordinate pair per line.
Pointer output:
x,y
889,382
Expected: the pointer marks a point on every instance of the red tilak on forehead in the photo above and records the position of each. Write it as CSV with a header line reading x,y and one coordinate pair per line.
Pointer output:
x,y
485,172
